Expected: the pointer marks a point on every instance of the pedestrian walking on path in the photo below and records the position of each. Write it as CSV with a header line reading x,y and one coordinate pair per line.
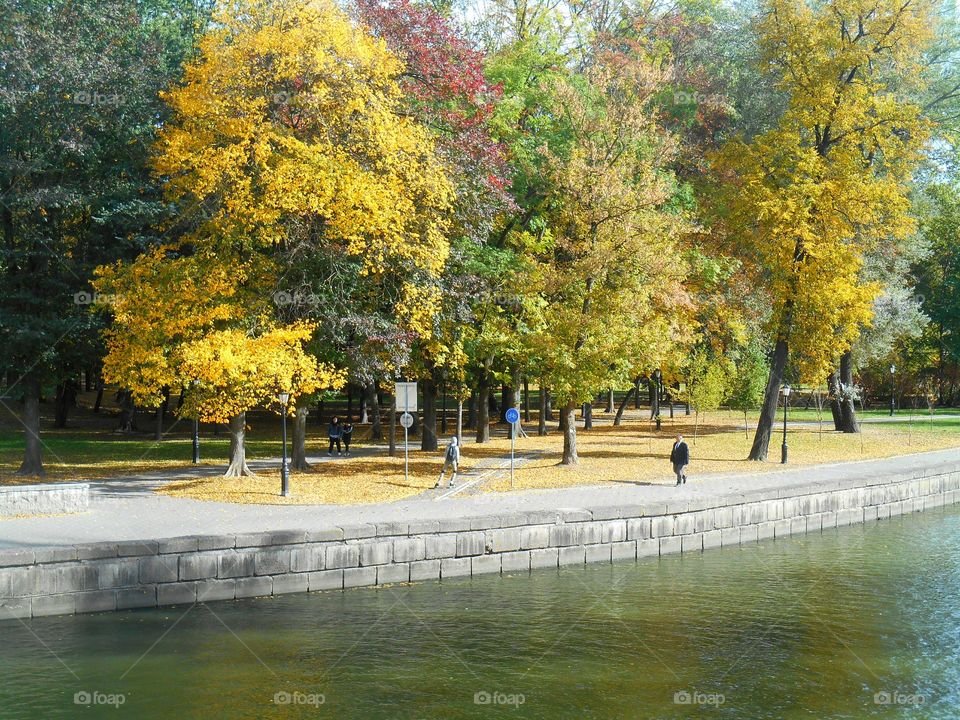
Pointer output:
x,y
334,433
680,457
347,435
451,459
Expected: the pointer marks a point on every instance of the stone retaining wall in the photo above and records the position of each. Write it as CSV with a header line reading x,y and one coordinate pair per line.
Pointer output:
x,y
49,499
116,576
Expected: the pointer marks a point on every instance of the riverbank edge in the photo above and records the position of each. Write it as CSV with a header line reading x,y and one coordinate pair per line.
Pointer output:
x,y
109,576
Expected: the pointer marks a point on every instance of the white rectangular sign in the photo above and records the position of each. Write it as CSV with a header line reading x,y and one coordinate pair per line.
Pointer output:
x,y
406,394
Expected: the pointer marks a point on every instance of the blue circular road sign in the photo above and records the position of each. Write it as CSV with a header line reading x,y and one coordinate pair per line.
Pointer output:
x,y
512,415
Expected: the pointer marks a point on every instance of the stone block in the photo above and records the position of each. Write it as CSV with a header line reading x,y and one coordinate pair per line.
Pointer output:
x,y
749,534
729,536
178,593
118,573
765,530
515,561
723,518
566,535
614,531
591,533
454,567
211,590
158,569
828,520
342,556
544,558
484,564
670,545
198,566
96,601
597,554
626,550
452,525
440,546
62,553
692,542
332,534
96,551
424,527
485,522
137,548
662,526
77,577
189,543
471,543
575,555
11,608
389,529
409,549
712,539
537,536
307,558
504,539
424,570
814,523
254,587
648,548
272,562
54,605
378,552
290,583
288,537
326,580
798,525
222,542
396,573
138,597
639,529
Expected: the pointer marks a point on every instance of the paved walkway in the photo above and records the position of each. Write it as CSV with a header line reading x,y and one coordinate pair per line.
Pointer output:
x,y
130,510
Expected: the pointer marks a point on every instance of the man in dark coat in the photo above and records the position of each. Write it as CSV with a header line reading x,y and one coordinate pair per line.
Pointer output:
x,y
680,457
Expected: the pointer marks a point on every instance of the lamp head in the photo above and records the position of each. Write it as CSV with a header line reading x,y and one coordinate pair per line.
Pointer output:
x,y
284,398
787,390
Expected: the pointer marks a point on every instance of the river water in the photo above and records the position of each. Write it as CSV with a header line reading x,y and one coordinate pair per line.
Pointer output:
x,y
857,622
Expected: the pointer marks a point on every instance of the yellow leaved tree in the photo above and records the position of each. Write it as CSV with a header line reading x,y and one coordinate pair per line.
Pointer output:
x,y
808,198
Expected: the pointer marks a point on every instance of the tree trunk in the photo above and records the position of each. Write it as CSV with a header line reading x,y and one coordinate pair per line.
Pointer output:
x,y
546,392
653,391
569,435
298,458
526,400
768,413
443,411
848,411
392,445
506,402
623,406
459,421
61,405
99,400
636,390
238,449
542,420
610,402
373,403
587,412
349,402
483,411
833,384
158,423
472,410
128,411
32,464
428,440
364,407
320,412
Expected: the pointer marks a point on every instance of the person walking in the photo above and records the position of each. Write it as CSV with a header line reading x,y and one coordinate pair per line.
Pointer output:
x,y
451,458
347,434
334,433
680,458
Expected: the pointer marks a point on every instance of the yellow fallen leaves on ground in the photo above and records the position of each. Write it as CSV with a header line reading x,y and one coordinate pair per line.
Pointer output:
x,y
342,481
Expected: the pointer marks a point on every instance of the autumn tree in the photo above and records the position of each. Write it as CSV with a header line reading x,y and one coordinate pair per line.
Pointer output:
x,y
78,112
613,273
811,196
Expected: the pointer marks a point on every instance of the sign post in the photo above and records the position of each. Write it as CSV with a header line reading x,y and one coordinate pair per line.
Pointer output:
x,y
512,416
406,420
406,396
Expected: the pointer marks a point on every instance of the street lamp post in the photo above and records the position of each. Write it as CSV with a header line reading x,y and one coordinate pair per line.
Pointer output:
x,y
893,390
196,432
284,470
786,401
